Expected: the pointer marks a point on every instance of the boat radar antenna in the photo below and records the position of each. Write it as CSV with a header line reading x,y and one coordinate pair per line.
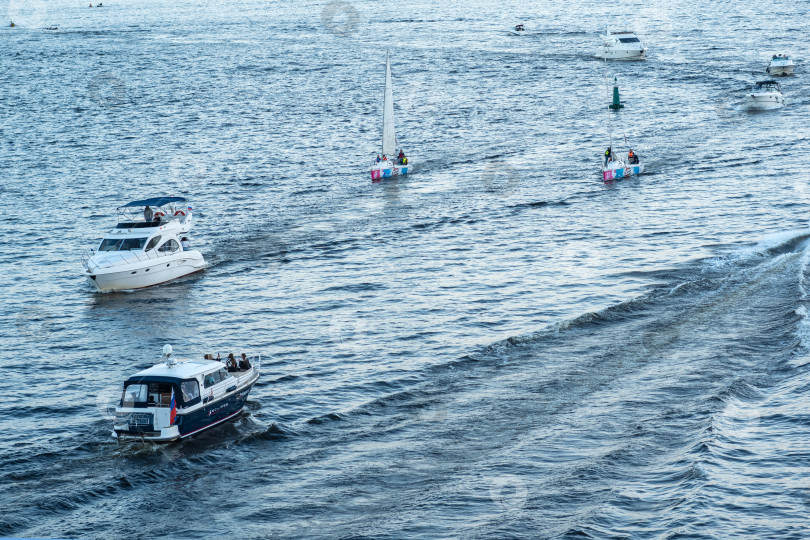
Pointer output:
x,y
168,355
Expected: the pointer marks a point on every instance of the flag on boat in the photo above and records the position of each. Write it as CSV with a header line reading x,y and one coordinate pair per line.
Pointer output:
x,y
173,412
189,209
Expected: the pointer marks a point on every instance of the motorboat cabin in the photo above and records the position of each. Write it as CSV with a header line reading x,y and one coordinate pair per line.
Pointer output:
x,y
174,400
622,46
766,95
149,245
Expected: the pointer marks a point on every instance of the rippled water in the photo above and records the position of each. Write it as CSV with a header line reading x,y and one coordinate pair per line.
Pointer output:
x,y
497,345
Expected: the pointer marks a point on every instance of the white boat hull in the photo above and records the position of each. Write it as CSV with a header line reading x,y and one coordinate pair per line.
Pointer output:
x,y
146,273
765,101
622,54
618,170
780,71
387,169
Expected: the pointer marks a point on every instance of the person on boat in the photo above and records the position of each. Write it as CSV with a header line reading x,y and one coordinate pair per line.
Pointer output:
x,y
185,244
230,363
384,158
147,214
632,157
378,158
401,156
244,363
608,156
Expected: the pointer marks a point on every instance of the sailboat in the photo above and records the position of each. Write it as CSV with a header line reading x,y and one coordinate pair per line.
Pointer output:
x,y
389,164
615,166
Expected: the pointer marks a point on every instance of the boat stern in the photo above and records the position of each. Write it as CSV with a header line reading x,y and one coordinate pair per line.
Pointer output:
x,y
150,424
388,170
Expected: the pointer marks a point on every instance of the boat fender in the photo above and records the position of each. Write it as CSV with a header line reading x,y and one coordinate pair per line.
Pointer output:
x,y
179,213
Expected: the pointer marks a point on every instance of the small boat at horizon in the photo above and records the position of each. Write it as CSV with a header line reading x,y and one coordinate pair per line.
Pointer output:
x,y
145,250
388,164
174,399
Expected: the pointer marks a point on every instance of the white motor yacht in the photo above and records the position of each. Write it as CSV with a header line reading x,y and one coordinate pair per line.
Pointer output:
x,y
781,65
149,245
621,46
765,95
173,400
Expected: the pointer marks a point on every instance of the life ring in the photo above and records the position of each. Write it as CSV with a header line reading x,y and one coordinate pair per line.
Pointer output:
x,y
179,213
159,214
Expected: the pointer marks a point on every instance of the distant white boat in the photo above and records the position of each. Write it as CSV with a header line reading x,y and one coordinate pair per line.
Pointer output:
x,y
389,164
765,95
781,65
621,46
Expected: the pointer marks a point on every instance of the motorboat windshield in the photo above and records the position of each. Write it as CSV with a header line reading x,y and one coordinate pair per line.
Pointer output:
x,y
123,244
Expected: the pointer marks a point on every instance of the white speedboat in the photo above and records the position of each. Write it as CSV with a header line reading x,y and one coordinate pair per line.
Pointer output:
x,y
781,65
389,164
765,95
621,46
149,245
174,400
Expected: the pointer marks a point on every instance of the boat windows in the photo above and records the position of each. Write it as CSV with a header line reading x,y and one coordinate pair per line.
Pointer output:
x,y
629,39
152,243
213,378
109,244
169,247
190,390
134,393
133,244
152,394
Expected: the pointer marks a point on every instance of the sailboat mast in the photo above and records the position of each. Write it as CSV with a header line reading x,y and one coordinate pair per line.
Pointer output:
x,y
389,137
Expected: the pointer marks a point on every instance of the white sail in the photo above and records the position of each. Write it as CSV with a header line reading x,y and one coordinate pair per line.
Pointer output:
x,y
389,137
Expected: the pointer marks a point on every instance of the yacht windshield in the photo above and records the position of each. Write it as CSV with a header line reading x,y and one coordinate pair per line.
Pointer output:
x,y
109,244
629,39
133,244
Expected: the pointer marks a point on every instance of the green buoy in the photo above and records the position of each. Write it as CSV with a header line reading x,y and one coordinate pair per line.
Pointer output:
x,y
616,105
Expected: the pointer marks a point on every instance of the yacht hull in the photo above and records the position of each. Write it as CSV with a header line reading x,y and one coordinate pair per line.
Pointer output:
x,y
152,273
622,172
622,54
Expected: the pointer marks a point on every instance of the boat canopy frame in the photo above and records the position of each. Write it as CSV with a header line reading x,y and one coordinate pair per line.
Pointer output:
x,y
153,201
767,84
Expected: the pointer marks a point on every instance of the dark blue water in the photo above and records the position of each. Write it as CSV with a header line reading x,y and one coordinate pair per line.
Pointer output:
x,y
498,345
